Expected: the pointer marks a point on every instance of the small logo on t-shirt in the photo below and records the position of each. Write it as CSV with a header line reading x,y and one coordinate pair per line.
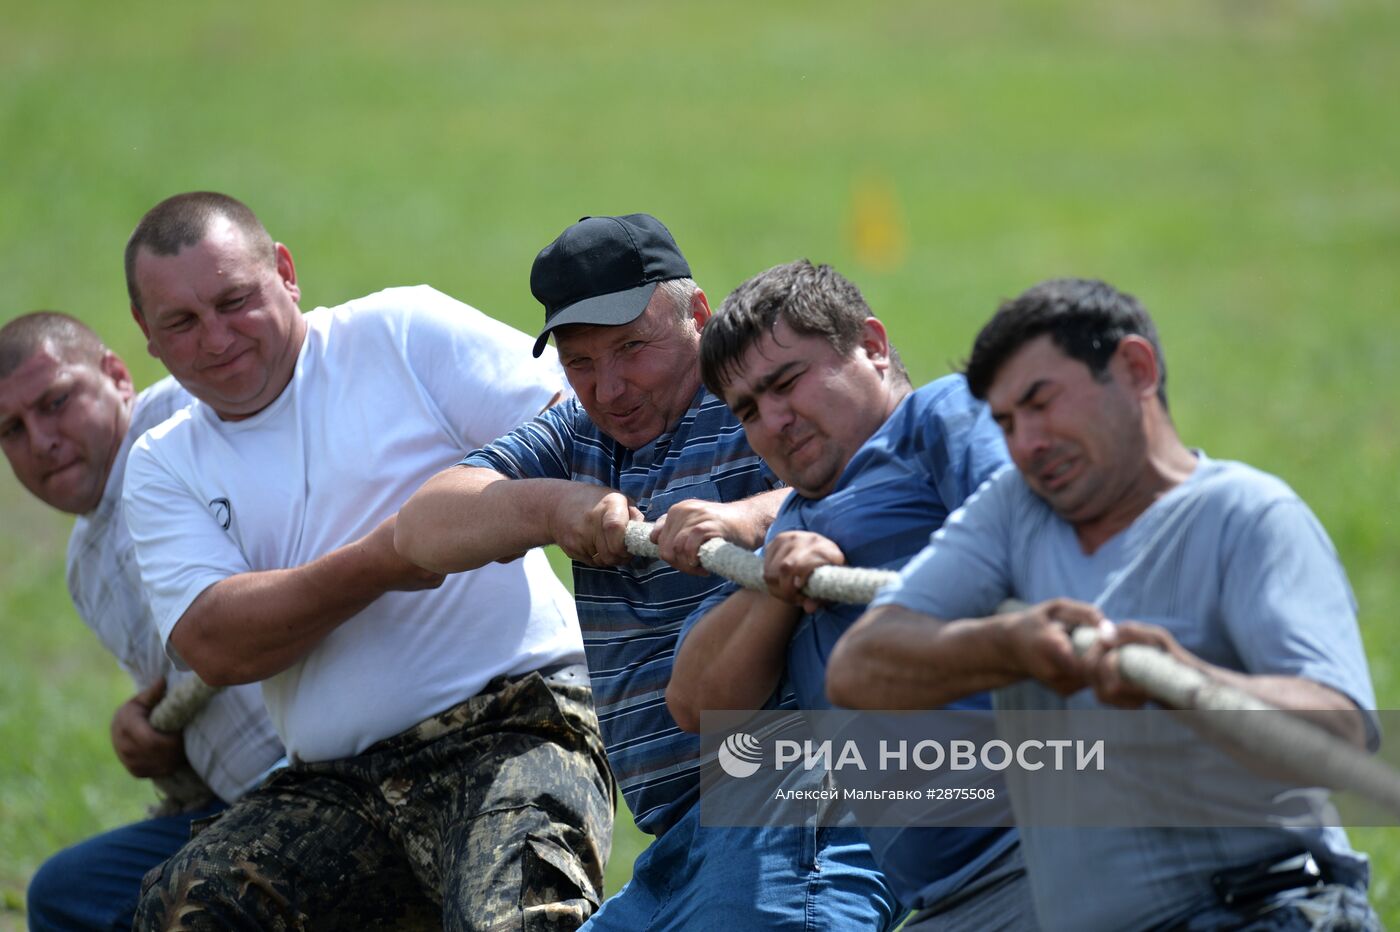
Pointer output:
x,y
223,512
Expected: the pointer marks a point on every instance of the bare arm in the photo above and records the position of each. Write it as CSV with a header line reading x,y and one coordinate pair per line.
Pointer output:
x,y
733,658
894,658
467,516
253,625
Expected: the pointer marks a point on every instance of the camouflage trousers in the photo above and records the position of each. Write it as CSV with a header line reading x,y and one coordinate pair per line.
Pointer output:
x,y
493,815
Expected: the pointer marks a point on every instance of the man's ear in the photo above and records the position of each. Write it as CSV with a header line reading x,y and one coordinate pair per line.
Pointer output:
x,y
875,340
700,309
140,319
114,368
1139,362
287,271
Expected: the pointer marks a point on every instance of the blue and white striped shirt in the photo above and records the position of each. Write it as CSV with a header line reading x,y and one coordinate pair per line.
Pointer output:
x,y
631,615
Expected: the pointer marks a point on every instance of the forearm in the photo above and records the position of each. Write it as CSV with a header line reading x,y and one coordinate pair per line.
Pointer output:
x,y
894,658
253,625
733,658
466,517
760,509
1322,705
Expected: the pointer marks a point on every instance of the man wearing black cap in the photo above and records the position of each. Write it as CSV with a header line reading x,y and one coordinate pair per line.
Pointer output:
x,y
643,440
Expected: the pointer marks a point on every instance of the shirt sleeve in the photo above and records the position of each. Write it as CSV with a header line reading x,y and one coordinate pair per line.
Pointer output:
x,y
180,546
478,371
1288,606
965,571
963,445
541,448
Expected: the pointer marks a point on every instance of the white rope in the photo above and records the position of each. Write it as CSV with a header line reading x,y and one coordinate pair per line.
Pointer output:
x,y
846,584
1279,741
181,704
183,790
1282,741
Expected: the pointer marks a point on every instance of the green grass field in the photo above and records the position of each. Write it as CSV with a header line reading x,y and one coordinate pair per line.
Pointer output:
x,y
1236,164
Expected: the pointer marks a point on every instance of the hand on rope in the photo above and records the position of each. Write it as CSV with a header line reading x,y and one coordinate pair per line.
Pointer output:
x,y
143,749
1282,741
588,522
158,733
790,559
828,583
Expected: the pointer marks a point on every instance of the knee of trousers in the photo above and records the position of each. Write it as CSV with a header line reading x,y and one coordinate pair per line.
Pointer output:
x,y
195,894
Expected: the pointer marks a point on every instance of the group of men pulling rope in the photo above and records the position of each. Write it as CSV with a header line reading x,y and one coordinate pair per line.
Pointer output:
x,y
347,507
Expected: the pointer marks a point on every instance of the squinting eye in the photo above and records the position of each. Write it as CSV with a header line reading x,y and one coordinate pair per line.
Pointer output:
x,y
58,401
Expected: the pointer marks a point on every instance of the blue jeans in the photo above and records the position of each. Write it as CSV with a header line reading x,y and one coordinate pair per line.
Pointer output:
x,y
695,879
96,883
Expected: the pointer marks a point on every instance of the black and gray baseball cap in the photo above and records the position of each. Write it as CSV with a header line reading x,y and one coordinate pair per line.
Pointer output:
x,y
603,270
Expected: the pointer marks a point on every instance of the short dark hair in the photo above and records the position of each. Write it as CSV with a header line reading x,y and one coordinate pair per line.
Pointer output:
x,y
1085,318
182,220
813,300
22,337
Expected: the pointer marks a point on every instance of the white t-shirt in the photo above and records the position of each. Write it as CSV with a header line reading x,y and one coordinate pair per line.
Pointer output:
x,y
388,390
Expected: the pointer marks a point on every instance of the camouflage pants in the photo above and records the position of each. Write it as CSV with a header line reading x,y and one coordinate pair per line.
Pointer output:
x,y
494,815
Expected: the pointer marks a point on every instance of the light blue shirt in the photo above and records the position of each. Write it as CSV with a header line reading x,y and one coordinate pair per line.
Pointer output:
x,y
1241,573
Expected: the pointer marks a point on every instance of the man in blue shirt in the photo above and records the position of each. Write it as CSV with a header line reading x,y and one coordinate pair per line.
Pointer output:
x,y
1109,515
875,467
643,439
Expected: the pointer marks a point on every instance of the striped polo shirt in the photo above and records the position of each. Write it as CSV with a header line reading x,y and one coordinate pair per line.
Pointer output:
x,y
631,615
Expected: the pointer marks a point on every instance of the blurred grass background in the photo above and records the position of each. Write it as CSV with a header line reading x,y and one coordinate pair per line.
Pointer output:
x,y
1236,164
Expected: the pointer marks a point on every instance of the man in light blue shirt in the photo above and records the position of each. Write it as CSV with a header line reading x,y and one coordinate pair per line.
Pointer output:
x,y
1109,515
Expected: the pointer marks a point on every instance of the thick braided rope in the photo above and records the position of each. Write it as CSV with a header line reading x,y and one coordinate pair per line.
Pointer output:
x,y
1282,741
181,704
829,583
183,790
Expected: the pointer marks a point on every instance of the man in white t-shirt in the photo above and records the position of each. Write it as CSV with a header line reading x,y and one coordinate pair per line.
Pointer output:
x,y
443,742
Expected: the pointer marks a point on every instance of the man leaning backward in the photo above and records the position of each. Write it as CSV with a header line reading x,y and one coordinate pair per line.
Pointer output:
x,y
445,755
1108,515
643,439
